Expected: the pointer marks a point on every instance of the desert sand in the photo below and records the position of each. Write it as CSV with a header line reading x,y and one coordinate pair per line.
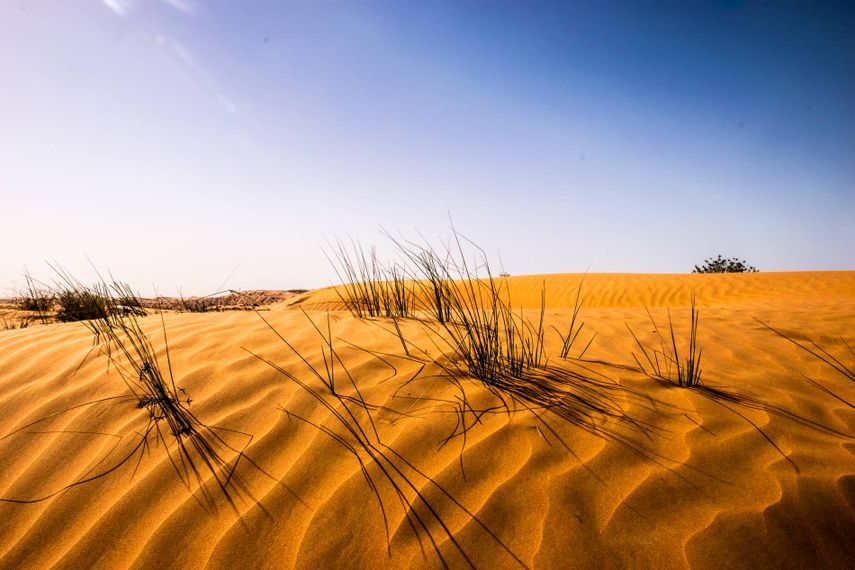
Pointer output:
x,y
754,469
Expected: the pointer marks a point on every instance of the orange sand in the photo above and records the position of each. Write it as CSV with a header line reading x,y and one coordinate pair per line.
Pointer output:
x,y
765,481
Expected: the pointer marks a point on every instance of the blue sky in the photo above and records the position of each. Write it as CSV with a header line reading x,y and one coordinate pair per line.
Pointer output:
x,y
176,140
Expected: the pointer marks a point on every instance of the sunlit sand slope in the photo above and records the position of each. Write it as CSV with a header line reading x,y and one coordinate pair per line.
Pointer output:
x,y
613,290
755,470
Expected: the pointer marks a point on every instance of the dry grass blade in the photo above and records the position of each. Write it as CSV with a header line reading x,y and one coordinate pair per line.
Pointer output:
x,y
820,353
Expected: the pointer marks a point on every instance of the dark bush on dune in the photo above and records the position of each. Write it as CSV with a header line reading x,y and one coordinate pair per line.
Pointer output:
x,y
40,303
35,298
76,302
724,265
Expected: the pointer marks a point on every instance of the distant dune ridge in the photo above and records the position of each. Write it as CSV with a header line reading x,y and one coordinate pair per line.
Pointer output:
x,y
256,297
13,316
754,469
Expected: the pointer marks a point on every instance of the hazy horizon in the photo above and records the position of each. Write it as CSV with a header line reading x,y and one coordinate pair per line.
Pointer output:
x,y
178,142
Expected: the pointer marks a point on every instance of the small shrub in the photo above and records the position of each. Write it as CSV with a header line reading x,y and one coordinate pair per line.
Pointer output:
x,y
82,304
199,305
724,265
78,302
130,305
36,298
39,302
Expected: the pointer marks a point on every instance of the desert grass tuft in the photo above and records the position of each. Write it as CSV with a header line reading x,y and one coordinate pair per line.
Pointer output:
x,y
471,305
368,288
474,308
659,362
479,335
569,338
197,445
193,448
431,272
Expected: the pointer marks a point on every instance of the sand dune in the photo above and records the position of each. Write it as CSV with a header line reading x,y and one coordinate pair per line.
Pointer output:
x,y
621,290
756,470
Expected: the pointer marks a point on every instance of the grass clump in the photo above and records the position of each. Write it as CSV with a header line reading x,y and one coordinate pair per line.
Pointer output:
x,y
76,303
432,277
569,338
369,288
660,362
197,446
481,336
110,311
474,309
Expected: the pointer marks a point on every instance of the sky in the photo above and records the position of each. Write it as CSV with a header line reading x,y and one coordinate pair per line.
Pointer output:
x,y
184,144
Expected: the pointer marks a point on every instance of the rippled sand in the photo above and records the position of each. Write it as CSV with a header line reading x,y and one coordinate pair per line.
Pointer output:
x,y
755,470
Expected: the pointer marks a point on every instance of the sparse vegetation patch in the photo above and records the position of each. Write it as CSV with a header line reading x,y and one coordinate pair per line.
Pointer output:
x,y
724,265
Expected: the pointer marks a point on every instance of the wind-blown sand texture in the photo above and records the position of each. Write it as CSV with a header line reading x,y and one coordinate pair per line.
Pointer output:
x,y
757,469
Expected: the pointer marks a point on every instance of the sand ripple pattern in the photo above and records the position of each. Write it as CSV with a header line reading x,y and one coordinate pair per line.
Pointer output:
x,y
704,488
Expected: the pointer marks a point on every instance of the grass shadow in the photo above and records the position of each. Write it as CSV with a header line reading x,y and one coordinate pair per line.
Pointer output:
x,y
353,427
